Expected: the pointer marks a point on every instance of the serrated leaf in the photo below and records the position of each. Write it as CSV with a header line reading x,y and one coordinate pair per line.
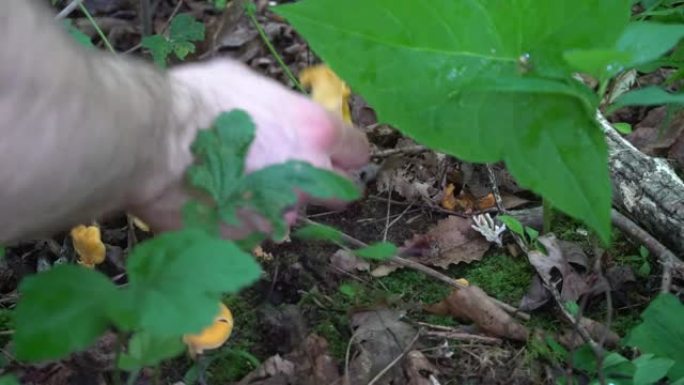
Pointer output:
x,y
145,349
61,311
182,49
650,370
481,80
222,151
175,293
268,191
318,232
661,333
184,28
273,189
159,47
380,251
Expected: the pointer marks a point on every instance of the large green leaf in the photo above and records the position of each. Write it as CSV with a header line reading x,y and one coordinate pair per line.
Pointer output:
x,y
661,332
145,349
484,80
61,311
177,278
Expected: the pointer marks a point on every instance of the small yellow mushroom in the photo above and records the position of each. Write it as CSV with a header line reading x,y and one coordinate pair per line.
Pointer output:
x,y
88,245
213,336
328,90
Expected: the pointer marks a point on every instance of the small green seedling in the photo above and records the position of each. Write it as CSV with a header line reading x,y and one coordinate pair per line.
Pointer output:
x,y
184,30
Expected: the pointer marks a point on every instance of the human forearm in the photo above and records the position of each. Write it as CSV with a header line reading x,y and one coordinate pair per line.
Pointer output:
x,y
82,132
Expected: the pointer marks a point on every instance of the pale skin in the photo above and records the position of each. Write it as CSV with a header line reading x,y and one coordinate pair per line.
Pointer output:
x,y
84,133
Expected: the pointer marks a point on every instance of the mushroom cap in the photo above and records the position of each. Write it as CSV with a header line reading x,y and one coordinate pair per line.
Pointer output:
x,y
214,335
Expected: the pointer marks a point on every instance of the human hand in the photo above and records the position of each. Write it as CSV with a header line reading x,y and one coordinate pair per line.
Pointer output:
x,y
289,126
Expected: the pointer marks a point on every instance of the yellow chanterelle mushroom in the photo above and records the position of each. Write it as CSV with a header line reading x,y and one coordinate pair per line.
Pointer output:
x,y
88,245
328,90
213,336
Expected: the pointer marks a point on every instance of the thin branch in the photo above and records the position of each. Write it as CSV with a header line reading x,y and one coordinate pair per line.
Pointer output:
x,y
250,13
97,28
403,150
666,257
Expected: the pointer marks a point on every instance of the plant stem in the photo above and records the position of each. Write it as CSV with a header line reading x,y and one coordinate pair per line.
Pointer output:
x,y
145,17
250,13
120,340
133,377
548,215
97,28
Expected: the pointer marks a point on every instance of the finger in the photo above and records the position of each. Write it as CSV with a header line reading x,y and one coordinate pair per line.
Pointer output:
x,y
350,149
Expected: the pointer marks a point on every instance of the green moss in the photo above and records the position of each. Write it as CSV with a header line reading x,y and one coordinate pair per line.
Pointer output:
x,y
501,276
235,359
334,333
414,286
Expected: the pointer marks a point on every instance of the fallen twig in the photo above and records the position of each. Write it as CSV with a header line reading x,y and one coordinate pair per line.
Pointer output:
x,y
403,150
666,257
466,337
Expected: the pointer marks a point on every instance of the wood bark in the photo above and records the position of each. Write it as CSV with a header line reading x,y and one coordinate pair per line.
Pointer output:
x,y
646,190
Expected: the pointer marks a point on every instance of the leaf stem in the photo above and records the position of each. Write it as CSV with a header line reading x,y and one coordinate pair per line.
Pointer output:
x,y
97,28
249,9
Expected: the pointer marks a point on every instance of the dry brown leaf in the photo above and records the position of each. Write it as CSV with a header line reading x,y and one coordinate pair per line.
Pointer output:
x,y
573,285
379,337
310,364
473,304
418,369
451,241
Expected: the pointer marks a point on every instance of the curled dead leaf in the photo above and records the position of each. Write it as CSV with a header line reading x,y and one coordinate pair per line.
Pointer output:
x,y
473,304
451,241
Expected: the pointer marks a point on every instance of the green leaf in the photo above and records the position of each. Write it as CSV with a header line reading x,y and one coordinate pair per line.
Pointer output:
x,y
319,232
648,96
650,370
481,80
159,47
661,333
184,28
572,307
639,44
512,224
145,349
177,278
623,128
220,4
80,37
8,379
647,41
182,49
379,251
269,191
61,311
222,151
273,189
349,290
